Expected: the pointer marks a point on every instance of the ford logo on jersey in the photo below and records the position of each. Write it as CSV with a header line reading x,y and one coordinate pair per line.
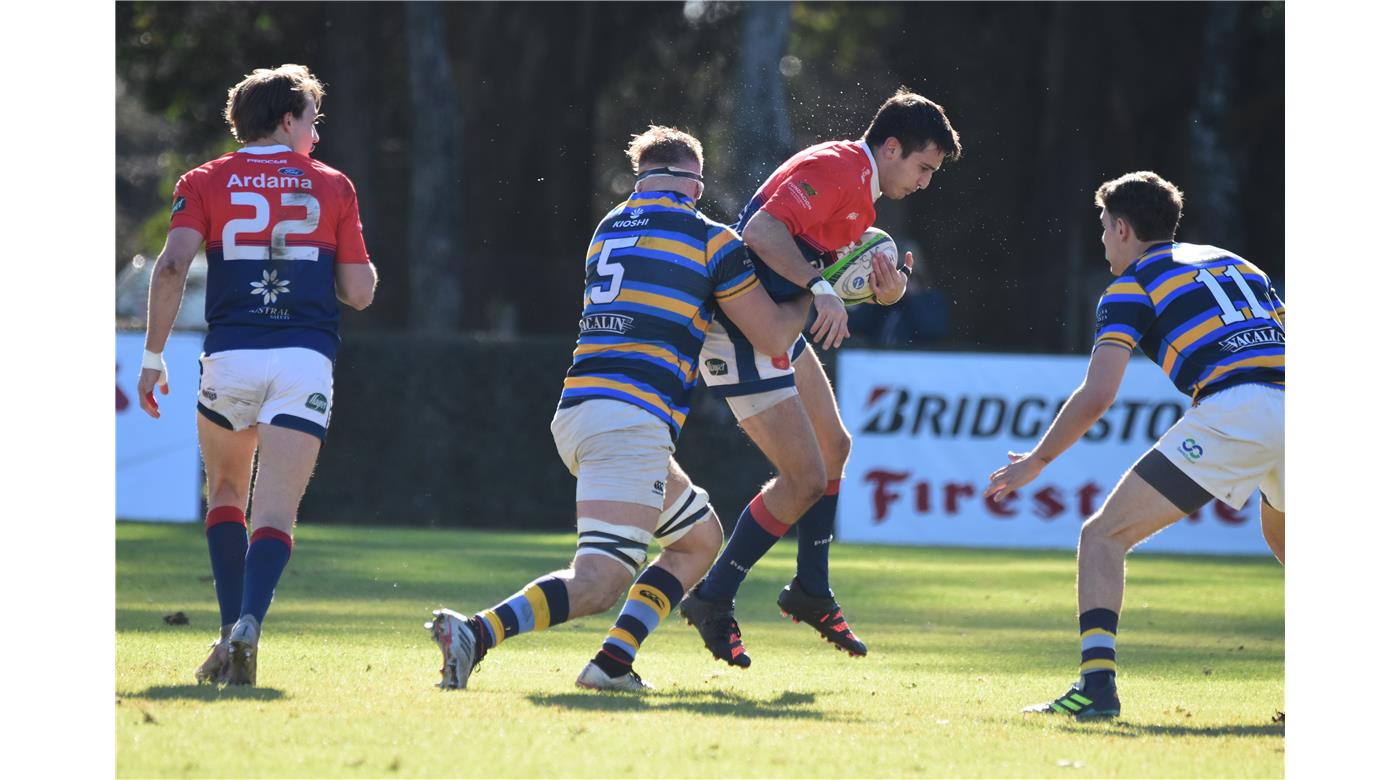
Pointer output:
x,y
291,171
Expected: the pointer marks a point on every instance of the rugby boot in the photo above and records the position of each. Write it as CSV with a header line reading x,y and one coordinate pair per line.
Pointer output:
x,y
595,679
461,649
1082,703
243,651
215,667
821,613
718,629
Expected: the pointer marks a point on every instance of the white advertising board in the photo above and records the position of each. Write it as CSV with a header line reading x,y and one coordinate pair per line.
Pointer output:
x,y
158,471
929,428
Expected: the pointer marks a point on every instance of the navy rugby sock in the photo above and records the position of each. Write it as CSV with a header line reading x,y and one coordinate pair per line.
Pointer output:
x,y
754,535
268,552
226,532
815,533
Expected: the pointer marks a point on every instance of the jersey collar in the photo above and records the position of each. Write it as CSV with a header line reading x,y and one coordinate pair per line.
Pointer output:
x,y
273,149
874,172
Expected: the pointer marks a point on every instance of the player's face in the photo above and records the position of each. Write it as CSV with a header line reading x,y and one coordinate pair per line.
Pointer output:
x,y
903,176
1115,244
302,132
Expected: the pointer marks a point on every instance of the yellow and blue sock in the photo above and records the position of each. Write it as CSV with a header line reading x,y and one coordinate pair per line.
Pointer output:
x,y
815,533
268,552
539,605
754,534
648,603
1098,637
226,533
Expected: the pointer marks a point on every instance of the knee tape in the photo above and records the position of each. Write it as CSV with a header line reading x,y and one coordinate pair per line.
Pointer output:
x,y
687,511
623,543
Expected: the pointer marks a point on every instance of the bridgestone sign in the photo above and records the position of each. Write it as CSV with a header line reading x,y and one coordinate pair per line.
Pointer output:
x,y
929,428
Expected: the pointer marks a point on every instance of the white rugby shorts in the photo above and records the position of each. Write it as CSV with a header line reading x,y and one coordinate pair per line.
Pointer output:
x,y
1231,444
618,451
748,379
289,387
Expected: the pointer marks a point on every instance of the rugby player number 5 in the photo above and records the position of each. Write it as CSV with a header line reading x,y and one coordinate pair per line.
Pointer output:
x,y
258,222
1228,313
613,271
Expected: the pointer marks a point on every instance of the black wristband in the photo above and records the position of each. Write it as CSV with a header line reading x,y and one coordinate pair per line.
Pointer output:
x,y
904,269
815,280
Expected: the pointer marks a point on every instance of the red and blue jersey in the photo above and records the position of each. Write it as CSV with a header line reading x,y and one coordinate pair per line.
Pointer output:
x,y
1209,318
654,273
274,223
825,196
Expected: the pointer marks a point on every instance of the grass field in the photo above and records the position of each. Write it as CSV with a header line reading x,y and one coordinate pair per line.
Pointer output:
x,y
960,640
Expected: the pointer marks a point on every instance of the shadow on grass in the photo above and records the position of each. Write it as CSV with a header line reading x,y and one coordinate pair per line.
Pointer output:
x,y
791,704
208,693
1130,729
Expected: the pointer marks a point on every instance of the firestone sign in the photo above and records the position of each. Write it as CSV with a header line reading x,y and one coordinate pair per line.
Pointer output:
x,y
929,428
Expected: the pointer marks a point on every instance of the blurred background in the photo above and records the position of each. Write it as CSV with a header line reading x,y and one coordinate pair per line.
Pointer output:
x,y
486,140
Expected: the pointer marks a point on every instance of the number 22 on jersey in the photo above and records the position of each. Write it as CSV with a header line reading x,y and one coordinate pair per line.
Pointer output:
x,y
278,249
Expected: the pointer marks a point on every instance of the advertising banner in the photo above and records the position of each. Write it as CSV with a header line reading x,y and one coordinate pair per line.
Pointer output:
x,y
929,429
158,472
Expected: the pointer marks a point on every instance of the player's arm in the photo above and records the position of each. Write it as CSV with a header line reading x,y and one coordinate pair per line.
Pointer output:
x,y
1084,407
167,289
355,284
770,239
771,327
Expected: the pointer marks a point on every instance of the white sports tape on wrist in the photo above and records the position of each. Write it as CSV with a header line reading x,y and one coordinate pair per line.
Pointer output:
x,y
153,360
689,510
823,288
623,543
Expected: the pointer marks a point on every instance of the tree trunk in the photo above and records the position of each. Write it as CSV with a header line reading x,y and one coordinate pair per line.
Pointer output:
x,y
1216,212
435,248
762,134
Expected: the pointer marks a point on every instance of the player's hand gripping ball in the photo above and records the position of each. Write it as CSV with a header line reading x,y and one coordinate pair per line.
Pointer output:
x,y
850,274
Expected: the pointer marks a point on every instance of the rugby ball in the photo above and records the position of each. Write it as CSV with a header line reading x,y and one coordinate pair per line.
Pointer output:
x,y
850,274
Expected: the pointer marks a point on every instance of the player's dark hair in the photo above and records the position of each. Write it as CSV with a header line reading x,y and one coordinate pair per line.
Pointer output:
x,y
1151,204
661,145
916,122
257,104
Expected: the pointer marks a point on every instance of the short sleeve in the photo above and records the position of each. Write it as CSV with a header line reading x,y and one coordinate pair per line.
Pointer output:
x,y
729,265
811,194
349,234
187,209
1125,312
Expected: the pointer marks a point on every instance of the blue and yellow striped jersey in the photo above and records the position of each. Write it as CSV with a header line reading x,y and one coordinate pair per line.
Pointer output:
x,y
654,272
1209,318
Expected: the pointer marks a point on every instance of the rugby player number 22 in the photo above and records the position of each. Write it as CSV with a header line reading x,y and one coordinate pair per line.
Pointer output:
x,y
258,223
1228,313
613,271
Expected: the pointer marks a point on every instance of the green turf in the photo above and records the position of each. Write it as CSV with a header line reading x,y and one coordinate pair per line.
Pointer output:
x,y
960,640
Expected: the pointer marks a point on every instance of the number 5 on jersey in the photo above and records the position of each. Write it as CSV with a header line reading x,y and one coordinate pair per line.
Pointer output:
x,y
613,271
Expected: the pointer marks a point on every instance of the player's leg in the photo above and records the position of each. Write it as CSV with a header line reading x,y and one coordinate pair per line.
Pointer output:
x,y
292,411
690,536
808,598
785,436
286,458
1271,521
228,468
1135,510
619,452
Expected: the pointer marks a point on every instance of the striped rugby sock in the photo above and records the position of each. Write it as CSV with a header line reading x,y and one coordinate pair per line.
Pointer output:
x,y
539,605
1098,637
268,552
648,603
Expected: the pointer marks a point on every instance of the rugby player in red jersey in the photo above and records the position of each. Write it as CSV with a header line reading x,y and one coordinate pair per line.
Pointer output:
x,y
1212,321
282,236
817,203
